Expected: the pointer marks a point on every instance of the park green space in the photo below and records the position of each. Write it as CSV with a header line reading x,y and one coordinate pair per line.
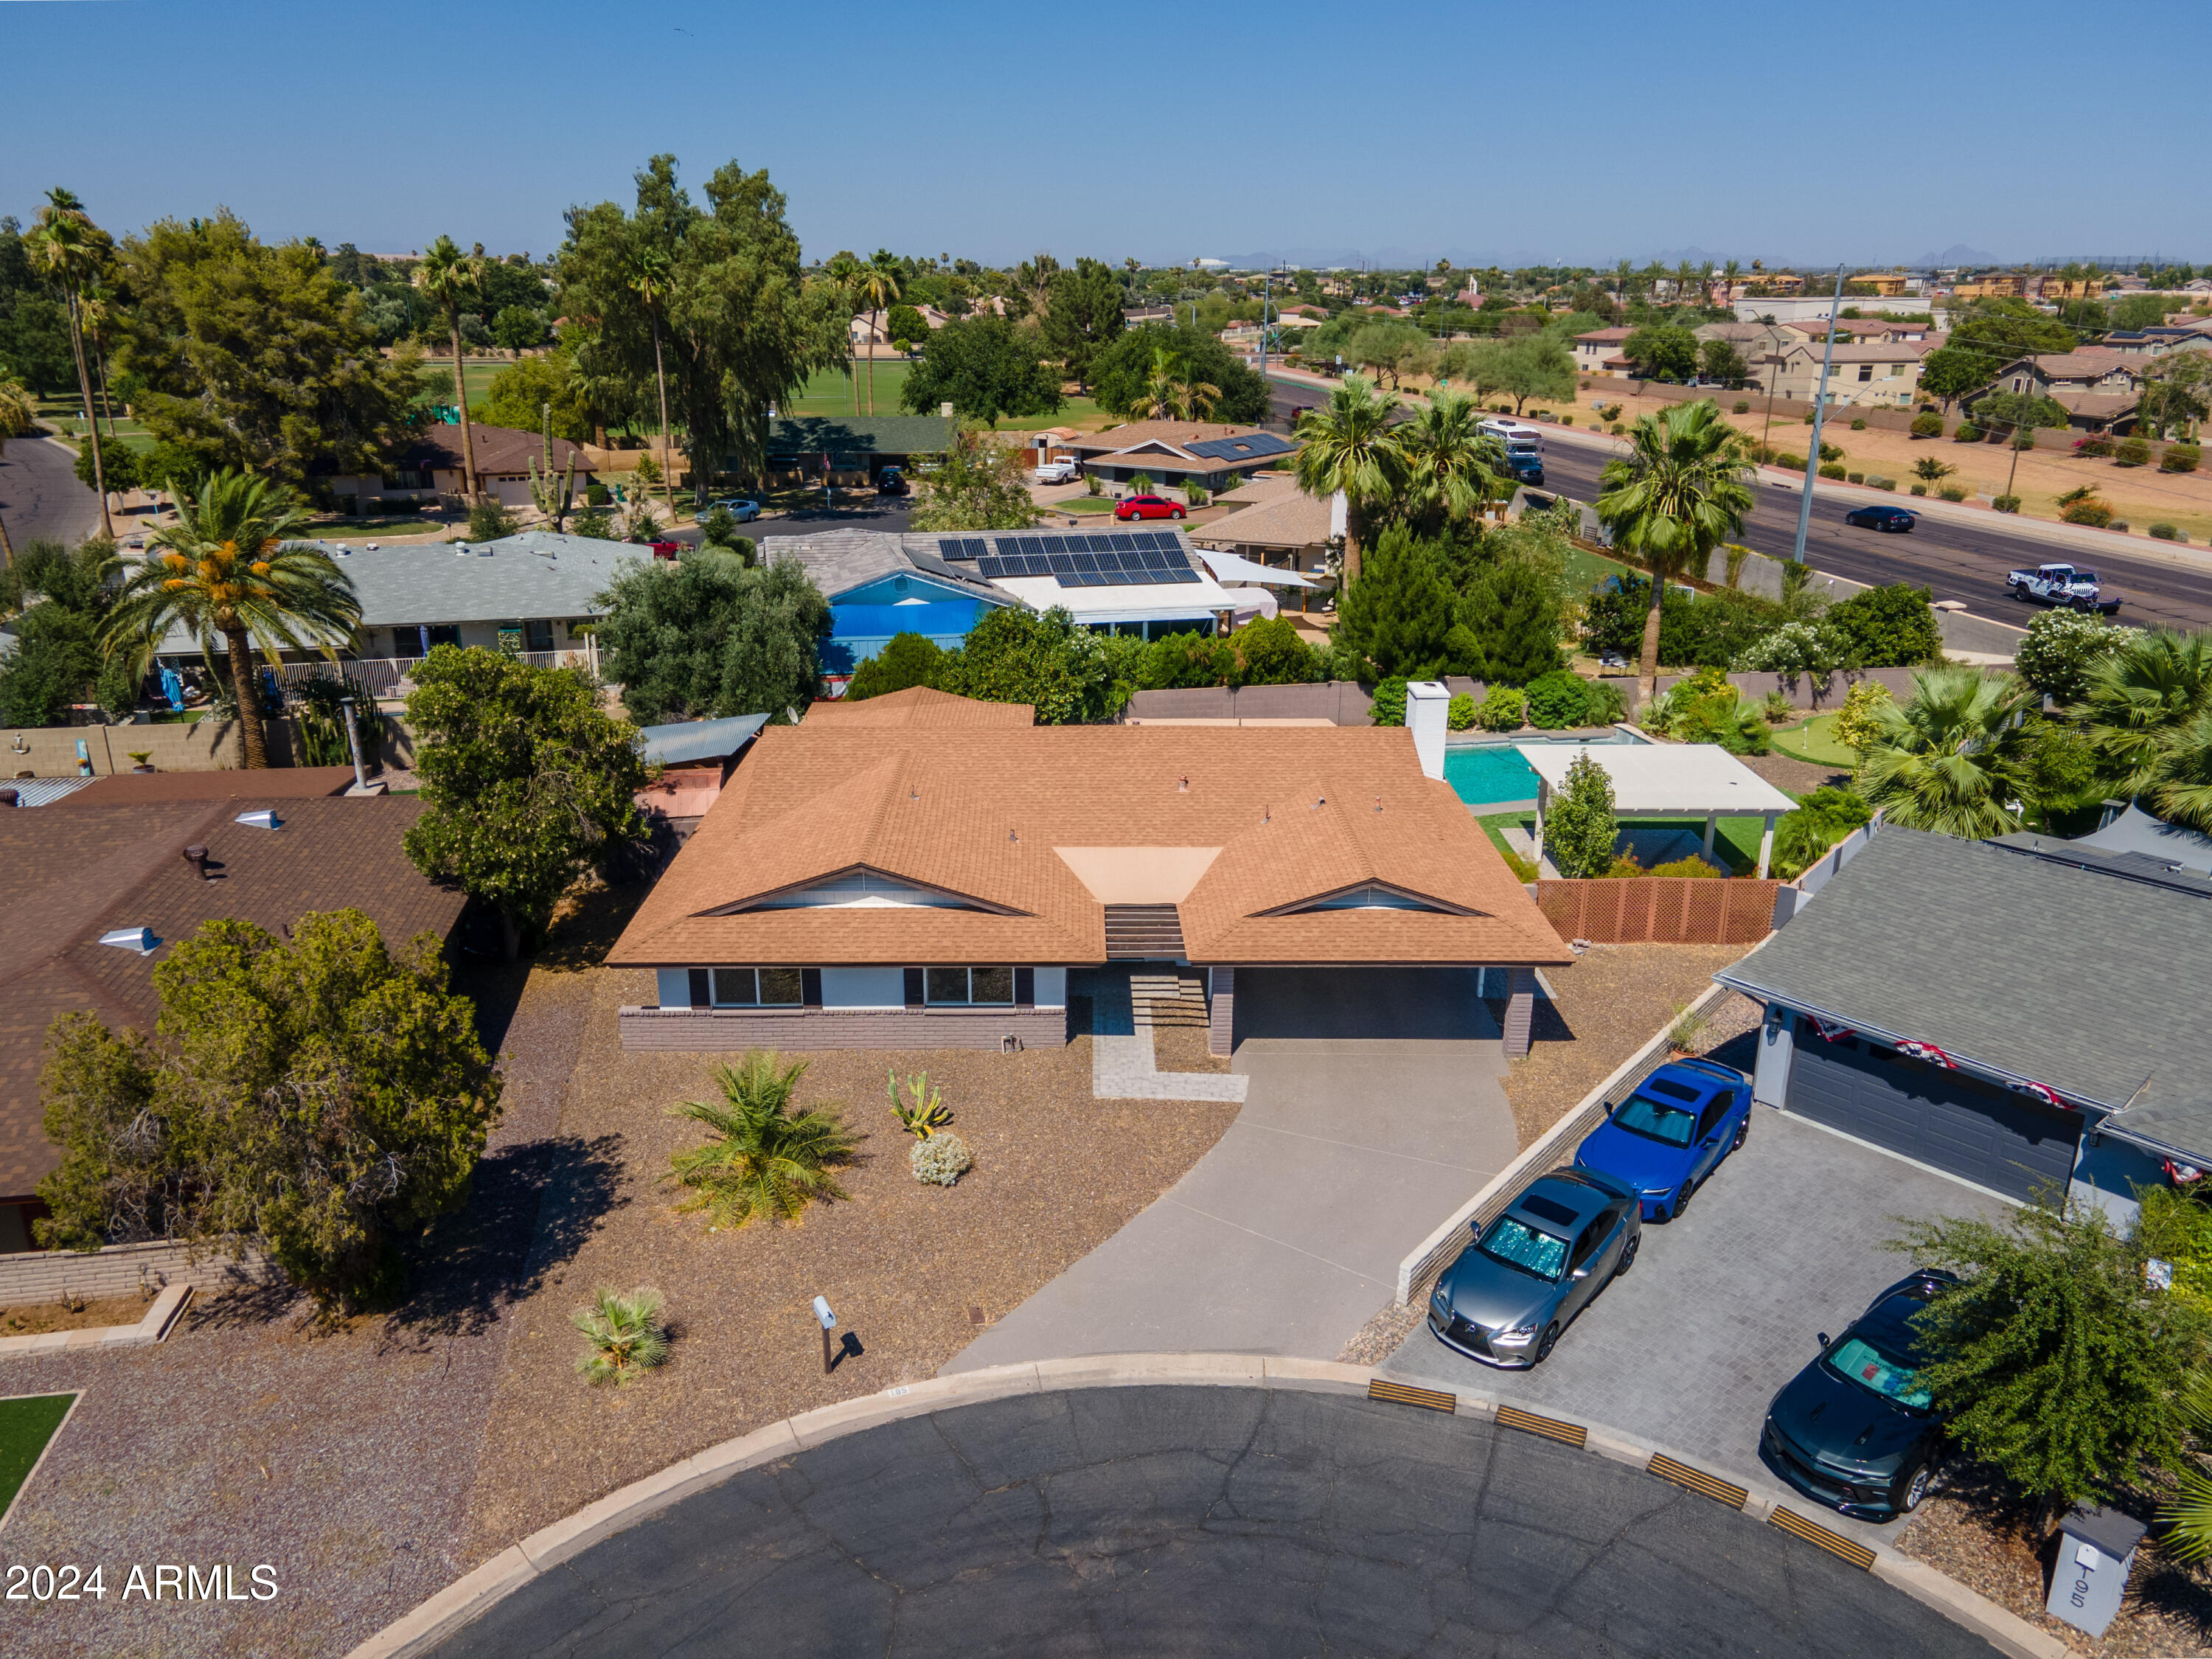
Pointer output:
x,y
26,1423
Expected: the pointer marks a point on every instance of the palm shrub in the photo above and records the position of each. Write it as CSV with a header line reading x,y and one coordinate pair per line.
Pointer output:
x,y
764,1159
1503,709
1949,760
1581,828
626,1334
2147,712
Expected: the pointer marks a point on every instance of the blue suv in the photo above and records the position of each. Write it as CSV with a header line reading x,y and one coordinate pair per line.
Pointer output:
x,y
1669,1135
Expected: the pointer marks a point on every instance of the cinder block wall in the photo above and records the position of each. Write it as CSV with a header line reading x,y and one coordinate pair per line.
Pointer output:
x,y
34,1276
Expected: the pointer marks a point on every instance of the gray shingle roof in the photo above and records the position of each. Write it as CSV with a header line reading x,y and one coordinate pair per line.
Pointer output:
x,y
2088,984
859,435
840,561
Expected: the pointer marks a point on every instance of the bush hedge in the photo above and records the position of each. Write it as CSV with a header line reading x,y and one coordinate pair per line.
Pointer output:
x,y
1829,452
1880,482
1851,477
2131,452
2007,503
1743,406
1968,433
1927,426
1920,489
1859,423
2094,514
1952,493
1832,470
2166,532
2092,448
1501,710
2180,458
1558,700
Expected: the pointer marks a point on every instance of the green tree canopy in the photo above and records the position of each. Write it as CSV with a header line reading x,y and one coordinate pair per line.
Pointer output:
x,y
1119,369
987,368
1893,626
1401,612
520,391
57,662
1082,316
906,660
1045,659
1512,610
906,325
1580,829
712,637
320,1096
1663,352
526,781
977,485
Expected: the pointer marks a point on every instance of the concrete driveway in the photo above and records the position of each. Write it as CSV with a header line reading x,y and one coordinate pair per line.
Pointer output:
x,y
1723,1307
1373,1110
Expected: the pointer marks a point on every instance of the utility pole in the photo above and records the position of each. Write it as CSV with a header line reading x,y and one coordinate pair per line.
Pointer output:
x,y
1820,413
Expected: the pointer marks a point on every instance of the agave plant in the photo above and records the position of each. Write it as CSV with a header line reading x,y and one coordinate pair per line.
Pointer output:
x,y
627,1335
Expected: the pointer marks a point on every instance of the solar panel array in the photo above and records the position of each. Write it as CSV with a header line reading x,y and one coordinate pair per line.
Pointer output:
x,y
1139,558
1237,449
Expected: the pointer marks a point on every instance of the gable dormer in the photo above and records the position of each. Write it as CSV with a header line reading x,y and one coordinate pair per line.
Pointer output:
x,y
861,888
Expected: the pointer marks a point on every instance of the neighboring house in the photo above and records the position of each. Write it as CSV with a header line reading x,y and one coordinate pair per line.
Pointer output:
x,y
1175,453
1280,528
1596,350
880,584
920,871
696,758
2150,342
1943,1001
1885,376
849,451
69,875
2098,387
536,593
1858,331
1754,342
1138,316
431,466
1139,579
1882,283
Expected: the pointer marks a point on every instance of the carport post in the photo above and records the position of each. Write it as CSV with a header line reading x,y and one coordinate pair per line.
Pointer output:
x,y
1712,818
1520,1011
1536,852
1766,842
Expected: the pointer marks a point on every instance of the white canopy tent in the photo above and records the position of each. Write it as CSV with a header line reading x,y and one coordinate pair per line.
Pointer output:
x,y
1235,567
1664,780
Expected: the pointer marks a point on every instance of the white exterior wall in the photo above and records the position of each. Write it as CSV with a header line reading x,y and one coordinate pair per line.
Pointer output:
x,y
1770,1077
2106,1172
864,987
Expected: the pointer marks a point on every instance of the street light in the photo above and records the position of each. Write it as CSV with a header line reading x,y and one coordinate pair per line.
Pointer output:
x,y
1819,412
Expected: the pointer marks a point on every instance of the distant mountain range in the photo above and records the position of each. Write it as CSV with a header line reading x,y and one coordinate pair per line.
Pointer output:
x,y
1401,258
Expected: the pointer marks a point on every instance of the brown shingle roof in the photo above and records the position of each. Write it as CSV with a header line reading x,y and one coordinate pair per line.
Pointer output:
x,y
1178,433
979,812
276,783
502,449
1290,520
919,705
66,877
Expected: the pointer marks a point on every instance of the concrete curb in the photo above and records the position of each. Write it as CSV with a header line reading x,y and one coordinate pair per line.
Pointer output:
x,y
158,1321
468,1599
1426,1259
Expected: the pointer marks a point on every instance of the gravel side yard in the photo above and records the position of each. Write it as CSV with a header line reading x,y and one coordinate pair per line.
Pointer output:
x,y
914,1270
1975,1529
1610,1002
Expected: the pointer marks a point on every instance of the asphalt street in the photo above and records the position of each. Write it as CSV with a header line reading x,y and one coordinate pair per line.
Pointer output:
x,y
1209,1521
40,498
1962,562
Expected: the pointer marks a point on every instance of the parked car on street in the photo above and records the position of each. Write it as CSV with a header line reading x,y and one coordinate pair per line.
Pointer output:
x,y
1667,1138
1527,1273
1895,519
1852,1429
1062,472
891,480
737,507
2060,584
1147,507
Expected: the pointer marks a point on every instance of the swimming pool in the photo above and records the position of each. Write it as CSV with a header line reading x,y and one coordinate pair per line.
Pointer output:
x,y
1491,773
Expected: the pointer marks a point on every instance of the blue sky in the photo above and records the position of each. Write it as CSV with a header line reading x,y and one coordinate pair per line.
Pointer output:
x,y
1545,129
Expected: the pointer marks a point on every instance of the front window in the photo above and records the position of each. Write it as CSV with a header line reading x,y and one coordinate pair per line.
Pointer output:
x,y
1670,1125
958,986
758,987
991,985
1878,1373
1515,1243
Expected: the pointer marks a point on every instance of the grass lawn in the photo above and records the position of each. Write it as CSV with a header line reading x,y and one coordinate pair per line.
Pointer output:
x,y
26,1423
1084,504
1736,840
476,375
1587,569
829,392
1815,741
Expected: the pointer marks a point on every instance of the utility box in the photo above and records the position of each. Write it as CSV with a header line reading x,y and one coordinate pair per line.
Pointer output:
x,y
2096,1552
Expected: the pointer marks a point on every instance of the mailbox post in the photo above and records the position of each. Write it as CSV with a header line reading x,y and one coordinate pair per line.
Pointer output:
x,y
2096,1550
829,1324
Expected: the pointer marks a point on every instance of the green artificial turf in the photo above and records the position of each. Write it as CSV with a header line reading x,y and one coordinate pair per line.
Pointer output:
x,y
1815,741
25,1424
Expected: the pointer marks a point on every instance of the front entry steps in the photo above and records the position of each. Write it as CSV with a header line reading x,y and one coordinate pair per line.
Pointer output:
x,y
1167,999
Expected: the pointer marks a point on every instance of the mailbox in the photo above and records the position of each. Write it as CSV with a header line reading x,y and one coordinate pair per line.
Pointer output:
x,y
2096,1550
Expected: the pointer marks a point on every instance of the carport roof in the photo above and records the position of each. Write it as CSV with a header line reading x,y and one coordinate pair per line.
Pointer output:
x,y
2028,971
1652,779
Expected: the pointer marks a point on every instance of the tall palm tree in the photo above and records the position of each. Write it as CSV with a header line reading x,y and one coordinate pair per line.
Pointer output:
x,y
876,284
648,278
1680,492
17,416
65,250
1731,273
1623,271
1454,469
1349,444
1165,395
96,313
449,277
227,566
765,1159
1948,760
2148,714
843,275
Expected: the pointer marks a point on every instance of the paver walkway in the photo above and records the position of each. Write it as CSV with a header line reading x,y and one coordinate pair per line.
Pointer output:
x,y
1123,1063
1375,1109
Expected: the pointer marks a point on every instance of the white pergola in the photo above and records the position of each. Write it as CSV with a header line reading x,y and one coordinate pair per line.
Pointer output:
x,y
1664,781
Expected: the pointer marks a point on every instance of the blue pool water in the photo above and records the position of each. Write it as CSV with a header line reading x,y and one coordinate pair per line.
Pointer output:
x,y
1484,773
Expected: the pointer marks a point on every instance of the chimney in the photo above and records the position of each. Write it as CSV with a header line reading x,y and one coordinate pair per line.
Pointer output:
x,y
196,856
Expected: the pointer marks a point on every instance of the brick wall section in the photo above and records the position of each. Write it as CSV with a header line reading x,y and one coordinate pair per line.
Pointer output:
x,y
1221,1017
1519,1011
43,1275
708,1030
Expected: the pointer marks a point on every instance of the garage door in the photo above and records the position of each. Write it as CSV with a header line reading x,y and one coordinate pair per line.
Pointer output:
x,y
1979,1132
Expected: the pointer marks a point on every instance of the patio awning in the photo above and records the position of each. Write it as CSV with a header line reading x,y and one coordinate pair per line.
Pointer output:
x,y
1664,780
1234,567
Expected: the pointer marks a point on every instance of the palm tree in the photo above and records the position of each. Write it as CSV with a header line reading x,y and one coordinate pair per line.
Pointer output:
x,y
1731,272
1948,760
1350,445
1166,397
96,315
765,1159
1623,271
228,567
1454,468
2148,714
1678,493
876,284
843,274
627,1335
648,278
17,416
448,277
64,249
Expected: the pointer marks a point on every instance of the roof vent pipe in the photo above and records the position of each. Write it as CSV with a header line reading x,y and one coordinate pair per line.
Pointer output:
x,y
1183,785
196,856
11,798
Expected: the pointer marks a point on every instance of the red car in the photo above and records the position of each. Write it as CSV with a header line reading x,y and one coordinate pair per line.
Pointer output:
x,y
1146,506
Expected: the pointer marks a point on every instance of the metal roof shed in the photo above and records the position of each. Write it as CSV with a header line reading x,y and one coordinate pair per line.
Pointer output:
x,y
1665,780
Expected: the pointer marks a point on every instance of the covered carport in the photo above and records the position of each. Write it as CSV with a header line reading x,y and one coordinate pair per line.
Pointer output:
x,y
1664,781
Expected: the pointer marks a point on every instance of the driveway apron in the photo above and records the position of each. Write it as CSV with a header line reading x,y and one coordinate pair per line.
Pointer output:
x,y
1374,1108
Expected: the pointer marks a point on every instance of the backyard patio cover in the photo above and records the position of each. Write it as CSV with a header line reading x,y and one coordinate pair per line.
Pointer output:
x,y
1665,780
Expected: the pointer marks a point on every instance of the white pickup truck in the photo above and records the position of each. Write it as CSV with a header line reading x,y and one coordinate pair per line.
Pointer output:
x,y
1059,472
2060,584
